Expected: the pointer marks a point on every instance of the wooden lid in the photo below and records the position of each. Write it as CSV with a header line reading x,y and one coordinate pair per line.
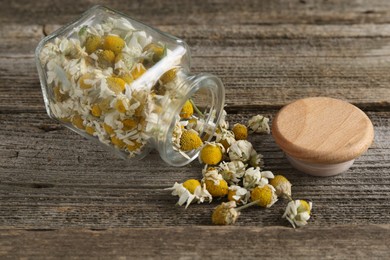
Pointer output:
x,y
322,130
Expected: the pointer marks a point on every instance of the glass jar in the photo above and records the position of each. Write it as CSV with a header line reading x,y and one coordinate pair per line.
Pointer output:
x,y
127,85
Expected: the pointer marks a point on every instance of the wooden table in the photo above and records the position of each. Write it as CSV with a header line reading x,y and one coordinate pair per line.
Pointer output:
x,y
63,196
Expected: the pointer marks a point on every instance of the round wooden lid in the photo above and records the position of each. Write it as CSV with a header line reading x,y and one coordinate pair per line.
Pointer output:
x,y
322,130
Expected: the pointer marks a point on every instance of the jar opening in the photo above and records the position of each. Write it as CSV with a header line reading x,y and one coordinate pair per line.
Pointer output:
x,y
206,94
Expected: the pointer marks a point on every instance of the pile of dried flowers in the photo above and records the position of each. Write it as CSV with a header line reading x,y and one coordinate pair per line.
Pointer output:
x,y
234,169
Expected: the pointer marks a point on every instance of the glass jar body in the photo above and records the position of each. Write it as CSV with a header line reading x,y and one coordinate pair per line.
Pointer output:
x,y
124,84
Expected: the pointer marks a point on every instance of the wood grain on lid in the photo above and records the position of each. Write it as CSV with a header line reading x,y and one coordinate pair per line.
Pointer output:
x,y
322,130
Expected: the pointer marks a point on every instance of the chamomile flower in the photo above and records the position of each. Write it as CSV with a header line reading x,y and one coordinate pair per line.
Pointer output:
x,y
215,184
282,186
264,195
225,137
254,177
190,140
238,194
189,191
256,159
259,124
225,214
240,131
232,171
223,123
298,212
211,153
240,151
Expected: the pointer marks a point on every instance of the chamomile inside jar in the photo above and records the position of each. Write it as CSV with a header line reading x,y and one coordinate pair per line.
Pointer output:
x,y
124,84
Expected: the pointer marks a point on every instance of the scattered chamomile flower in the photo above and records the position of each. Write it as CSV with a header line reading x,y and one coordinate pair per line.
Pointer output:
x,y
223,123
225,214
240,131
189,191
240,151
298,212
211,153
233,171
215,184
225,137
256,159
254,177
259,124
238,194
264,195
282,186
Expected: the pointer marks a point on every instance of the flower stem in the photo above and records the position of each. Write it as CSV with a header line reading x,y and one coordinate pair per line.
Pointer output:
x,y
287,197
196,108
247,205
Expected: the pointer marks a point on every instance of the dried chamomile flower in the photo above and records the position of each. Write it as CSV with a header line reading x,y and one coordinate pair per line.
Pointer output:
x,y
256,159
298,212
189,191
254,177
225,137
264,195
259,124
240,151
232,171
240,132
190,140
187,110
223,123
92,43
225,214
113,43
215,184
211,153
238,194
282,186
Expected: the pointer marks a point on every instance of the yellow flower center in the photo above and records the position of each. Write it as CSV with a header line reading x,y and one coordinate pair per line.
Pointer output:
x,y
232,193
117,142
116,84
82,81
157,50
134,147
211,154
113,43
90,130
217,190
120,106
92,43
191,185
108,129
304,206
263,194
129,124
138,70
77,121
106,58
168,76
95,110
190,140
240,132
187,110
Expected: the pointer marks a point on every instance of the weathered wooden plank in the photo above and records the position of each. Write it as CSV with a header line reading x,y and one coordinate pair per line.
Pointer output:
x,y
338,242
53,178
274,81
207,12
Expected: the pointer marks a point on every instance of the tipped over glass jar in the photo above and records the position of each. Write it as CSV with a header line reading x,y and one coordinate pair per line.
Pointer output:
x,y
128,86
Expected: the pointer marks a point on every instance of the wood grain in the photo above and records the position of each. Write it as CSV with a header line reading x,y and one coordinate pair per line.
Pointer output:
x,y
62,196
338,242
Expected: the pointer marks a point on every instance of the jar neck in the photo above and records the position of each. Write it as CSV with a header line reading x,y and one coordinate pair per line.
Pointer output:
x,y
207,94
